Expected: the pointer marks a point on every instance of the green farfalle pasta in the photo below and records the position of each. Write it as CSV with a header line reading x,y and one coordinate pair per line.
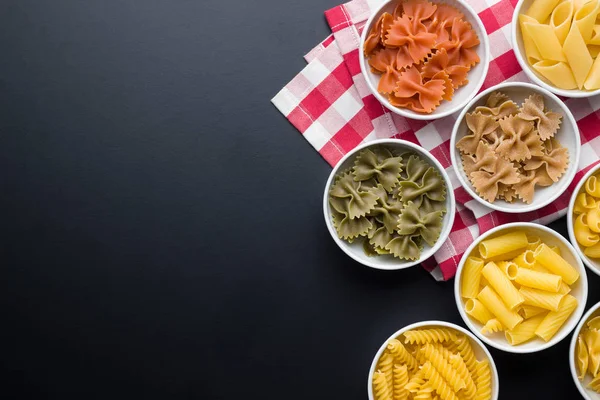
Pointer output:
x,y
393,201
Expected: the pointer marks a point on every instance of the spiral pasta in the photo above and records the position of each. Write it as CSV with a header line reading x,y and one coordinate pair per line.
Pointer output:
x,y
381,389
401,355
442,366
463,347
438,382
484,381
492,326
461,368
433,335
400,380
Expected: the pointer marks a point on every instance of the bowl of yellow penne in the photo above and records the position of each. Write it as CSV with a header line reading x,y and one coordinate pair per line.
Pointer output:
x,y
521,287
583,219
557,45
433,358
584,354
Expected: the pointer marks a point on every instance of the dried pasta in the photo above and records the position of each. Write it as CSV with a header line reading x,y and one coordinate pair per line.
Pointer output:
x,y
394,203
526,294
587,354
423,52
558,47
446,369
509,149
586,217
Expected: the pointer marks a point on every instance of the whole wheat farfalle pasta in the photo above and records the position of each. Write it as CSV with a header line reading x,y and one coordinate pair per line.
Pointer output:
x,y
505,155
393,202
423,52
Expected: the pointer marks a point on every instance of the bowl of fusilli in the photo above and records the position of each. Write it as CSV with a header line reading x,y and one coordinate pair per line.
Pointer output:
x,y
433,358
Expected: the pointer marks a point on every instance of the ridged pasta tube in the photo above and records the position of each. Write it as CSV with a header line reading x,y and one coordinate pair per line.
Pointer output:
x,y
524,331
438,383
507,243
459,365
471,276
555,319
533,242
525,259
538,280
381,390
477,310
492,326
502,285
443,367
556,264
484,381
494,303
397,349
530,311
432,335
541,298
400,381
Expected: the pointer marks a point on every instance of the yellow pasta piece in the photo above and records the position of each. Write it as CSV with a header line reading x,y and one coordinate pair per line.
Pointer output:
x,y
592,186
558,73
400,381
595,40
502,285
546,41
424,393
471,276
430,354
541,9
555,319
595,384
483,381
577,55
401,355
415,381
560,20
594,323
583,203
525,259
432,335
525,331
593,220
475,309
459,365
495,305
504,256
503,244
533,242
531,50
593,251
555,249
463,347
592,81
583,233
381,389
508,268
528,311
556,264
581,357
386,366
594,51
492,326
540,298
585,17
438,382
538,280
592,342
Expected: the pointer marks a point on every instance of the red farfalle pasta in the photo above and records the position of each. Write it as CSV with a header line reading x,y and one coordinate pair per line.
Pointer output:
x,y
423,52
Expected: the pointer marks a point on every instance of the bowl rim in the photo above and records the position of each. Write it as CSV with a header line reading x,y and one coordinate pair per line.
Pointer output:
x,y
562,333
484,61
527,68
574,161
451,211
586,260
494,370
572,345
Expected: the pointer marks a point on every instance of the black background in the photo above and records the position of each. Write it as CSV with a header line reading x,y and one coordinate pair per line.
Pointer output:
x,y
162,232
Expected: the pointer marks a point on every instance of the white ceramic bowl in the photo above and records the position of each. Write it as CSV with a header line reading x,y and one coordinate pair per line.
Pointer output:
x,y
585,392
568,135
388,262
579,289
481,352
463,94
592,264
517,41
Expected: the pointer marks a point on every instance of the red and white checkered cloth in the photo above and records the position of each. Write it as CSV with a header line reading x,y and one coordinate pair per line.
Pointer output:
x,y
331,105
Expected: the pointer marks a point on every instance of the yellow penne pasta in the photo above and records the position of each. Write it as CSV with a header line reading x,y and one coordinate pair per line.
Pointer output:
x,y
583,233
555,319
542,299
502,285
577,54
531,50
525,330
503,244
593,251
546,41
477,310
528,311
583,203
564,288
490,299
541,9
533,242
471,276
585,17
558,73
560,20
556,264
538,280
525,259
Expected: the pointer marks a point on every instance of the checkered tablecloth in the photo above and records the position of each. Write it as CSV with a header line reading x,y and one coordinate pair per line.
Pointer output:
x,y
330,104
